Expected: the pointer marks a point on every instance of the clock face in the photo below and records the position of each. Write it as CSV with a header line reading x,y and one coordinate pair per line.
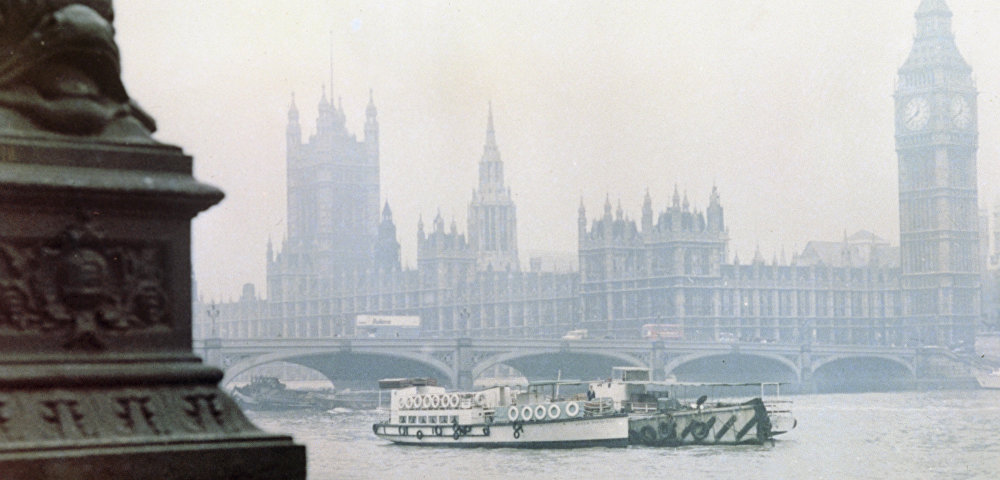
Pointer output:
x,y
916,113
960,112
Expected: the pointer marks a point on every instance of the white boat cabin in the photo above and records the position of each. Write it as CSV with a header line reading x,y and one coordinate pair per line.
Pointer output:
x,y
627,385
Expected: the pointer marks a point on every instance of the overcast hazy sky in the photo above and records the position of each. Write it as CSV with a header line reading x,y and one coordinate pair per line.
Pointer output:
x,y
785,105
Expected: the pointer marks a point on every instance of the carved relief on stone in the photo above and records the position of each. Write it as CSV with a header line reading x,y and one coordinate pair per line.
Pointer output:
x,y
64,418
61,71
80,284
204,412
137,415
4,417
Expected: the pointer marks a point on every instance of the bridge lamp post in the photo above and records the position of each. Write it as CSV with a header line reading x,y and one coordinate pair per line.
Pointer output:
x,y
213,313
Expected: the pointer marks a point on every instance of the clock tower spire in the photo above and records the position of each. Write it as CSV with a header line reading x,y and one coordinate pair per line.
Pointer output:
x,y
936,143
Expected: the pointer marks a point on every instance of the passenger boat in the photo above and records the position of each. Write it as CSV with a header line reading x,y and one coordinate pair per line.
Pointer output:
x,y
989,380
658,417
502,416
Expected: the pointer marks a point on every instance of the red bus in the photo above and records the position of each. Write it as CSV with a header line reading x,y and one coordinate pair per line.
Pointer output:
x,y
662,331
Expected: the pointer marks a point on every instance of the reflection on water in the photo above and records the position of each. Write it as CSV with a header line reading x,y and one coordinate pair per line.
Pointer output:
x,y
913,435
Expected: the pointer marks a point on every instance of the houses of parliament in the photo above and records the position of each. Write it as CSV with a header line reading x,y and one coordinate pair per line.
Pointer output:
x,y
341,255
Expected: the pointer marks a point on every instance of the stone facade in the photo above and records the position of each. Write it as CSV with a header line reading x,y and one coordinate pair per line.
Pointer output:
x,y
672,267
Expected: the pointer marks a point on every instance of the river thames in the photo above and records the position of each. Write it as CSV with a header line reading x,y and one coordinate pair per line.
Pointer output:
x,y
909,435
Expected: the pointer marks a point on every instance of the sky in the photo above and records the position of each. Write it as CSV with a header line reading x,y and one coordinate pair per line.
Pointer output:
x,y
784,105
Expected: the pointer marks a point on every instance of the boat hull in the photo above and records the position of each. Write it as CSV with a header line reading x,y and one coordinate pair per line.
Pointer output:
x,y
989,380
604,431
746,423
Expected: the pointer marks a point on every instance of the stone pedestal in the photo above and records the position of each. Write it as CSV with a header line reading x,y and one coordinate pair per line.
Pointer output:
x,y
97,376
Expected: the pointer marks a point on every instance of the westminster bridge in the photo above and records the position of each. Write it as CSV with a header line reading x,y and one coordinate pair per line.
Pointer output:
x,y
457,362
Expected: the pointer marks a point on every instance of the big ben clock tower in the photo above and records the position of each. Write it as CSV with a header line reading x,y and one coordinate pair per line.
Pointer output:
x,y
936,141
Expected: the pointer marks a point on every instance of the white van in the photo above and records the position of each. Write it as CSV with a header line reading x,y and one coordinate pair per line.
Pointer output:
x,y
575,335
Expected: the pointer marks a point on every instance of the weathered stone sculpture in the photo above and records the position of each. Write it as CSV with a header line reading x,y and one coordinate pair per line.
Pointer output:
x,y
97,377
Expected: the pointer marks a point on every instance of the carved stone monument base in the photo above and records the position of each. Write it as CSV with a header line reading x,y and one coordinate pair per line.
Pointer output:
x,y
97,377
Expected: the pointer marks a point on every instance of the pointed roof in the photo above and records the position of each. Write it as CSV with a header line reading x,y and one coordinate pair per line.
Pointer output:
x,y
491,136
928,7
293,111
934,43
370,109
860,249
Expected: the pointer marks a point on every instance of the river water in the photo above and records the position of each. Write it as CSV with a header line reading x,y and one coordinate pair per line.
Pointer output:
x,y
909,435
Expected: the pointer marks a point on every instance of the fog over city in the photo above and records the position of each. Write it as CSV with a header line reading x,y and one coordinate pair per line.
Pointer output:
x,y
785,105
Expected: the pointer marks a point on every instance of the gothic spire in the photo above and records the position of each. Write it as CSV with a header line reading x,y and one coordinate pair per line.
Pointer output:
x,y
370,111
293,111
491,138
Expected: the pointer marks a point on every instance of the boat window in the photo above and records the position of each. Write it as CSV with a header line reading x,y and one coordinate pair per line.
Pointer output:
x,y
443,419
434,419
402,419
423,419
413,419
454,419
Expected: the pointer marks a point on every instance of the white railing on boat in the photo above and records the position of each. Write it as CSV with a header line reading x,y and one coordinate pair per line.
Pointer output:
x,y
600,406
640,407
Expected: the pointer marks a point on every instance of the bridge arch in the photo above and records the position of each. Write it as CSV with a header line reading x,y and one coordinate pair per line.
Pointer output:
x,y
511,358
291,356
671,366
819,364
867,372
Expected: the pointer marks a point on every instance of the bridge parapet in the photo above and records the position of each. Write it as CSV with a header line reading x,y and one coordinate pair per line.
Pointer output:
x,y
458,361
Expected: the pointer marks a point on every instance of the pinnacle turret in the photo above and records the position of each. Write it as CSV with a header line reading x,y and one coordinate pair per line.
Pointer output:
x,y
491,136
370,110
293,111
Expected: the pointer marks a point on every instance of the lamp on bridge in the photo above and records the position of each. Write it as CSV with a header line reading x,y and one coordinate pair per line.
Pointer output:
x,y
213,313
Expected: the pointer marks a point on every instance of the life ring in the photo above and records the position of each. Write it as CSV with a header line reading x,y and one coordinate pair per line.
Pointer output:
x,y
420,434
526,414
435,401
456,434
518,428
480,399
437,431
426,403
554,411
540,412
407,402
512,413
453,400
572,409
701,429
648,434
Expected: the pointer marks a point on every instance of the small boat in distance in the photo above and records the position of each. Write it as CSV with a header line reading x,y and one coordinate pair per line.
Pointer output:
x,y
658,417
269,393
989,380
502,416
